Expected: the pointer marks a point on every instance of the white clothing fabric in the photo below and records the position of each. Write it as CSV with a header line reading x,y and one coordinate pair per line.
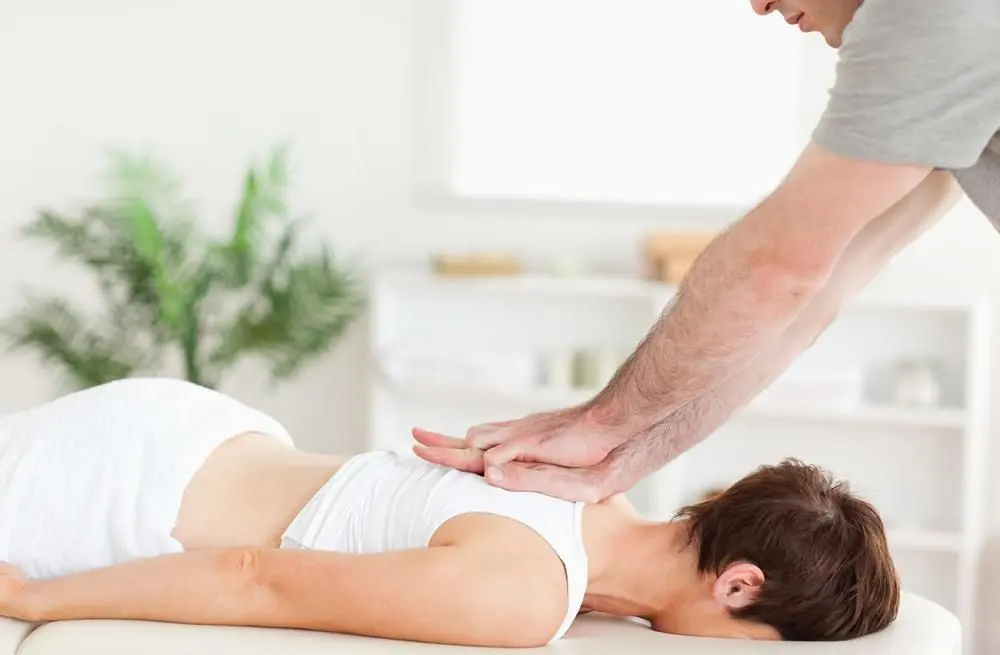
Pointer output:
x,y
96,477
383,501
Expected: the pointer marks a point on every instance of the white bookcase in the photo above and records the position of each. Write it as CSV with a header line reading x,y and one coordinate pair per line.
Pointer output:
x,y
450,353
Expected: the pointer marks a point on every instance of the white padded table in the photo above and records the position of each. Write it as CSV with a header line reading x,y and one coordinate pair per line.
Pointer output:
x,y
923,628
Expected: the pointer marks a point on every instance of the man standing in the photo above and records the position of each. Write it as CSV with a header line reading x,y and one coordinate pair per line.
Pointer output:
x,y
915,109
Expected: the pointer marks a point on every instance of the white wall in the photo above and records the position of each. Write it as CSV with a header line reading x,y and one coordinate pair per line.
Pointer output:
x,y
207,83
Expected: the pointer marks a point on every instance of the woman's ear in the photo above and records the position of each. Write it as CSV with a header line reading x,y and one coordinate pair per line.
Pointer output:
x,y
738,585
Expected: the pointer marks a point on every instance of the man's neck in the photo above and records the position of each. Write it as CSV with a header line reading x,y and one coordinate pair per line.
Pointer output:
x,y
639,568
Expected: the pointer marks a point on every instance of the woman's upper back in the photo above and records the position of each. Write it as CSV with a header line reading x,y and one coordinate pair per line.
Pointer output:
x,y
382,501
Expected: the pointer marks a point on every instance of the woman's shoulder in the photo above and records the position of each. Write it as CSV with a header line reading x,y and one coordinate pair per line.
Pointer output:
x,y
538,539
619,502
535,580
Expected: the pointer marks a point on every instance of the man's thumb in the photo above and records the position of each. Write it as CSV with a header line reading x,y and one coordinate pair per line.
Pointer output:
x,y
573,484
496,459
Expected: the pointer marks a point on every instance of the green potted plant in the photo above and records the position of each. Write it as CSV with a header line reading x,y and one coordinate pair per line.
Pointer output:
x,y
168,289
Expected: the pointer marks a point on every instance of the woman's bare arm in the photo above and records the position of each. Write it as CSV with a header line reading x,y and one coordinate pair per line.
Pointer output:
x,y
445,594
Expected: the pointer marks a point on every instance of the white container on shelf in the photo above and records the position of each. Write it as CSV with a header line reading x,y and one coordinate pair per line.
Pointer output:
x,y
557,369
827,387
917,383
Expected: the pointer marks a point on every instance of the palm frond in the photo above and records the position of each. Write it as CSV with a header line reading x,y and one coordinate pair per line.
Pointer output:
x,y
302,308
166,286
55,332
264,198
323,301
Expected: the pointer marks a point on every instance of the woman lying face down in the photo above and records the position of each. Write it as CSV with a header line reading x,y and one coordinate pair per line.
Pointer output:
x,y
393,546
785,553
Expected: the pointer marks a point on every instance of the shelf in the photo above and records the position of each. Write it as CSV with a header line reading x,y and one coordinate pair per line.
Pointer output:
x,y
945,418
923,299
631,287
542,399
528,284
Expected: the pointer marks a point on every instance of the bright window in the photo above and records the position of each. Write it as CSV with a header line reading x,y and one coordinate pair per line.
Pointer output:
x,y
622,101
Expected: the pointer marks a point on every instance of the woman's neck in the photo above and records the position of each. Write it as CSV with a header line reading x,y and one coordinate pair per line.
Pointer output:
x,y
638,567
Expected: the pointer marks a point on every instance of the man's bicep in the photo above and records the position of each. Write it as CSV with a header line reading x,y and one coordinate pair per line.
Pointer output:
x,y
440,594
825,201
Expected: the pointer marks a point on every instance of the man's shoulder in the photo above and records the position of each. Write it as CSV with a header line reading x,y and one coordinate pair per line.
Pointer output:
x,y
917,83
894,24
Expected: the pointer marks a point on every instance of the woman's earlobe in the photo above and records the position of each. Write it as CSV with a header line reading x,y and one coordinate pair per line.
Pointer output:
x,y
738,585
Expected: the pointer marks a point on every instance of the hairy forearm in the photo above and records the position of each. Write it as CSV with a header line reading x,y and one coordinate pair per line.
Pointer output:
x,y
737,300
751,284
866,255
214,587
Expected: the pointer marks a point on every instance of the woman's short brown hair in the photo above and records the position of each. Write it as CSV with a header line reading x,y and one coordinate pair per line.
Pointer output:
x,y
828,571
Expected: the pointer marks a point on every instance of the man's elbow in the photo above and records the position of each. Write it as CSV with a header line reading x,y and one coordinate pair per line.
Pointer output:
x,y
781,265
783,283
795,238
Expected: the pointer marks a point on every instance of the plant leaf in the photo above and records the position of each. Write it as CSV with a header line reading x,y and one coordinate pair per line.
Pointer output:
x,y
55,332
264,198
302,308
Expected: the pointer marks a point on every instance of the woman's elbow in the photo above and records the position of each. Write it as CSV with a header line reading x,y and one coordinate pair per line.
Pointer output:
x,y
242,566
537,621
531,633
242,580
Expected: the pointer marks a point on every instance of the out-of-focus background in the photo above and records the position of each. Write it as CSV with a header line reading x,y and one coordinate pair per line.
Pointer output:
x,y
507,192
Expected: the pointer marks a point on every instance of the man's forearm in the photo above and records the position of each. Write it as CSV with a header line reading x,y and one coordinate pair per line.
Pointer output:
x,y
867,254
751,283
734,304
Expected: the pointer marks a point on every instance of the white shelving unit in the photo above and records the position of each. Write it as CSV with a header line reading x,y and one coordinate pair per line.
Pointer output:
x,y
924,468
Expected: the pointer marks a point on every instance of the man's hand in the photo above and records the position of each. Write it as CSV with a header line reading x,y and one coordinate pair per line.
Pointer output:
x,y
448,451
564,453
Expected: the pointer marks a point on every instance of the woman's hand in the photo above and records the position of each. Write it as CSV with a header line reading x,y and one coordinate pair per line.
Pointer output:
x,y
12,597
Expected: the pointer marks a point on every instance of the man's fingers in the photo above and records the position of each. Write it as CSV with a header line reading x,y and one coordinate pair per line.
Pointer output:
x,y
488,435
436,439
485,436
574,484
498,457
447,451
462,459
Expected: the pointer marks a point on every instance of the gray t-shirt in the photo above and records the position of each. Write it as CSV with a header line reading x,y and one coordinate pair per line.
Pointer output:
x,y
918,82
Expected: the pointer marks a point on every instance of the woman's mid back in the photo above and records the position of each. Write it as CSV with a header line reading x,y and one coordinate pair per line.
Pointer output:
x,y
248,491
97,477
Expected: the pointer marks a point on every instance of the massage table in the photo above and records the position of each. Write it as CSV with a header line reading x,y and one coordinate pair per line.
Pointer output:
x,y
922,628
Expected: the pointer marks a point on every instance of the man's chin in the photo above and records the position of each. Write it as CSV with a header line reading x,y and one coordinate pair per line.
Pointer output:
x,y
833,40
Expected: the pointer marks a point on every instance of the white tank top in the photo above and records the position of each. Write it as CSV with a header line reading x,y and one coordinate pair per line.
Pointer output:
x,y
384,501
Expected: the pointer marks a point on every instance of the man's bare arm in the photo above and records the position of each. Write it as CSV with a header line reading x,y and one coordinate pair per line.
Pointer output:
x,y
870,250
751,284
